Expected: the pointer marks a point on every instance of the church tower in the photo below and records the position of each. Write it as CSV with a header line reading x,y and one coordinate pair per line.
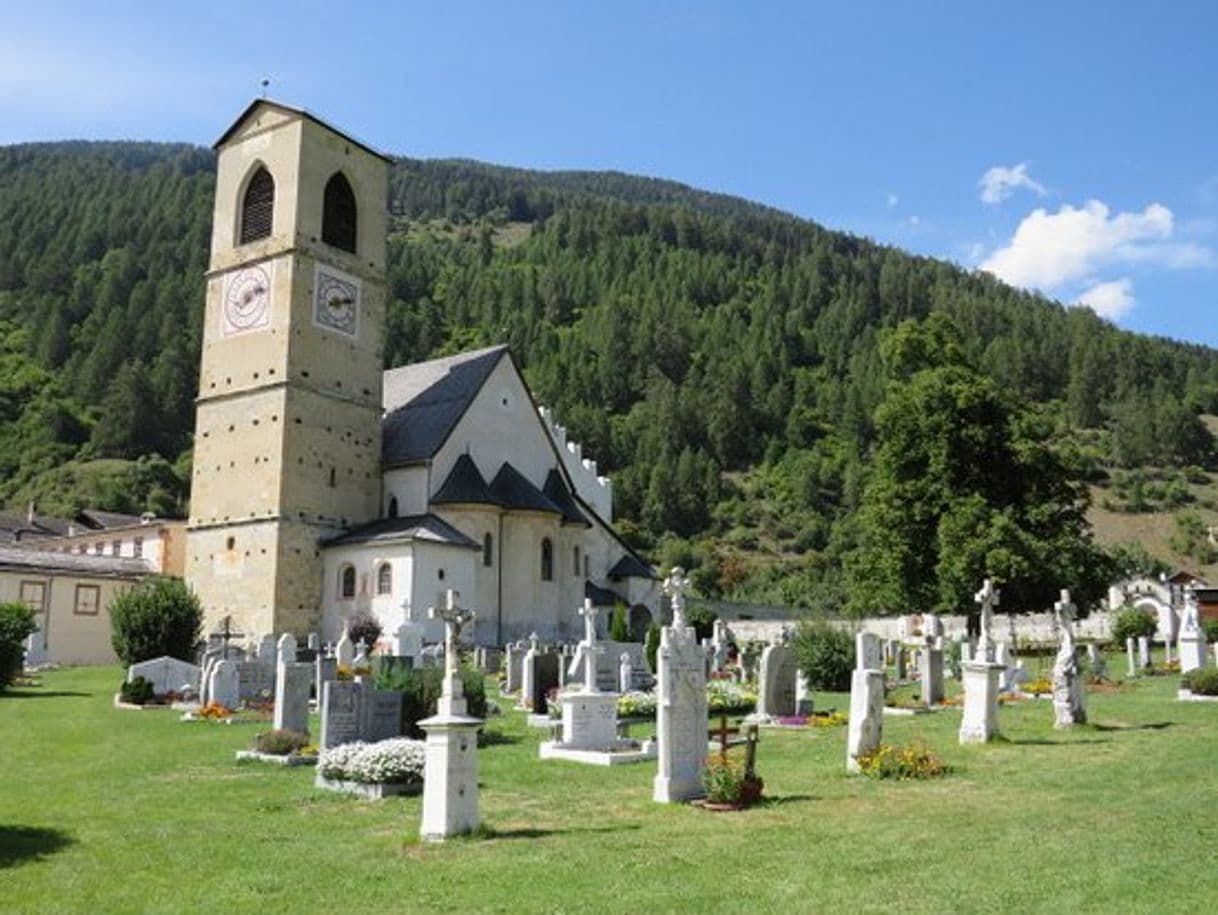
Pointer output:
x,y
288,429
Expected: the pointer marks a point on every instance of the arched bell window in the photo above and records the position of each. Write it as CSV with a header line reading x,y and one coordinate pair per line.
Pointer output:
x,y
338,213
346,582
384,579
547,560
488,550
393,507
257,207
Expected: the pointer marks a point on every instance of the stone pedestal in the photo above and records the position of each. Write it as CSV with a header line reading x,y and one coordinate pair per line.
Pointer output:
x,y
450,775
1192,651
681,720
931,661
866,715
589,720
980,721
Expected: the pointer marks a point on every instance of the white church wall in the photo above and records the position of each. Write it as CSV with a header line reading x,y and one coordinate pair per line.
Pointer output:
x,y
437,568
409,486
529,603
476,523
366,559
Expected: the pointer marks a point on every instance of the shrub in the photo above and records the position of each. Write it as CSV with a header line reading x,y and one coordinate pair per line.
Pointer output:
x,y
651,646
1203,681
136,692
825,655
159,616
281,742
1131,623
914,760
396,761
420,689
724,782
1210,628
16,625
703,621
619,625
363,627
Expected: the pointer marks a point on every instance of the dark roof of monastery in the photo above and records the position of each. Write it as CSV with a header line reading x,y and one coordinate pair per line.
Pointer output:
x,y
512,490
300,112
424,401
601,597
98,520
464,485
556,491
73,563
630,566
16,527
427,528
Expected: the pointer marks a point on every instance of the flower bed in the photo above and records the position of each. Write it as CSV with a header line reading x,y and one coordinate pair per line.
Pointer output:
x,y
723,697
913,761
396,761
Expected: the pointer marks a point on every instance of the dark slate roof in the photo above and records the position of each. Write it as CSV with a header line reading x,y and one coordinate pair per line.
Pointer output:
x,y
427,528
73,563
302,113
556,491
424,401
630,566
17,527
601,597
97,520
464,485
511,490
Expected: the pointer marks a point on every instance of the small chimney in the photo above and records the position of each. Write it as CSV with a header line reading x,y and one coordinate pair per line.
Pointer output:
x,y
29,513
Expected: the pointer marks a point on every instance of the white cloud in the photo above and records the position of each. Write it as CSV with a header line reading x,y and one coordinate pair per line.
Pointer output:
x,y
1112,300
893,200
1000,182
915,221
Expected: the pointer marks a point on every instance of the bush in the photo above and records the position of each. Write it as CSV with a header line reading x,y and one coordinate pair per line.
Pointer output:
x,y
420,689
364,627
825,655
396,761
727,783
912,761
159,616
703,621
136,692
16,625
1210,628
281,742
619,625
1132,623
1203,681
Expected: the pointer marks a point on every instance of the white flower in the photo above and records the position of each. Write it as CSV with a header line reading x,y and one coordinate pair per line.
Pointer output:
x,y
386,761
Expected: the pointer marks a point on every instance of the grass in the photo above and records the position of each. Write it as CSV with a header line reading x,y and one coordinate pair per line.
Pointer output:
x,y
108,810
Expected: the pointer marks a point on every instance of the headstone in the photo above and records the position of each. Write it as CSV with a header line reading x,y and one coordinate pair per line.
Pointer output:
x,y
450,776
314,642
1144,651
380,714
340,713
1192,638
1095,659
223,688
408,640
489,660
361,654
719,644
166,674
979,723
205,679
866,715
966,649
1129,650
803,695
625,673
867,651
292,683
681,719
1006,679
255,680
324,670
514,666
1068,695
898,660
931,675
267,648
528,698
776,683
344,651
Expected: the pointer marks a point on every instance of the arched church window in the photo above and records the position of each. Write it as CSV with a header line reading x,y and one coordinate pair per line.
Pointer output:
x,y
338,213
346,582
575,561
257,208
393,506
384,579
547,560
488,550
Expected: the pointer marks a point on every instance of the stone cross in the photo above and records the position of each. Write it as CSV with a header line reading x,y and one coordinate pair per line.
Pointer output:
x,y
454,618
1189,622
589,612
534,642
988,598
675,586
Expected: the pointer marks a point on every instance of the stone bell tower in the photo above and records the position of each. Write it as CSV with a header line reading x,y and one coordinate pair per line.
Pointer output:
x,y
288,429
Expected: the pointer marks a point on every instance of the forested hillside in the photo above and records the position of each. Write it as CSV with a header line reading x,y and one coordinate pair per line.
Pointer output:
x,y
721,359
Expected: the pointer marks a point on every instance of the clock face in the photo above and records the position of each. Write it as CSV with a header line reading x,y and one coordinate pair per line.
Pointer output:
x,y
336,301
247,300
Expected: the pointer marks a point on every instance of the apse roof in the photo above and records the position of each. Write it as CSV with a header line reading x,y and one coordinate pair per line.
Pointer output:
x,y
426,528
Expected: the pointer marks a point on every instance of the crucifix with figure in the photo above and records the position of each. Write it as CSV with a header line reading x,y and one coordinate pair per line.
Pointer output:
x,y
675,586
987,598
454,618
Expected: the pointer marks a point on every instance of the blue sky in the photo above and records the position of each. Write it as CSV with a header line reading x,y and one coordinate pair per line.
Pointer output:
x,y
1069,147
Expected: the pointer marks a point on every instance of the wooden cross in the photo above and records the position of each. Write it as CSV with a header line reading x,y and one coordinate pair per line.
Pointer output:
x,y
723,734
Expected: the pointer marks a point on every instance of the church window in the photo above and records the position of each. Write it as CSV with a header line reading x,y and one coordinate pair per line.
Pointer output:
x,y
488,550
547,560
257,207
384,579
346,581
333,475
230,543
575,561
338,214
440,574
586,566
393,507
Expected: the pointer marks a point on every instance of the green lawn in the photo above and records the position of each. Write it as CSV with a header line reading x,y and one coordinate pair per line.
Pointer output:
x,y
107,810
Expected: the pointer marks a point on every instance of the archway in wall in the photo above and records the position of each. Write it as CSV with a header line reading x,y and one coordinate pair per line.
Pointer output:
x,y
640,619
1167,618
